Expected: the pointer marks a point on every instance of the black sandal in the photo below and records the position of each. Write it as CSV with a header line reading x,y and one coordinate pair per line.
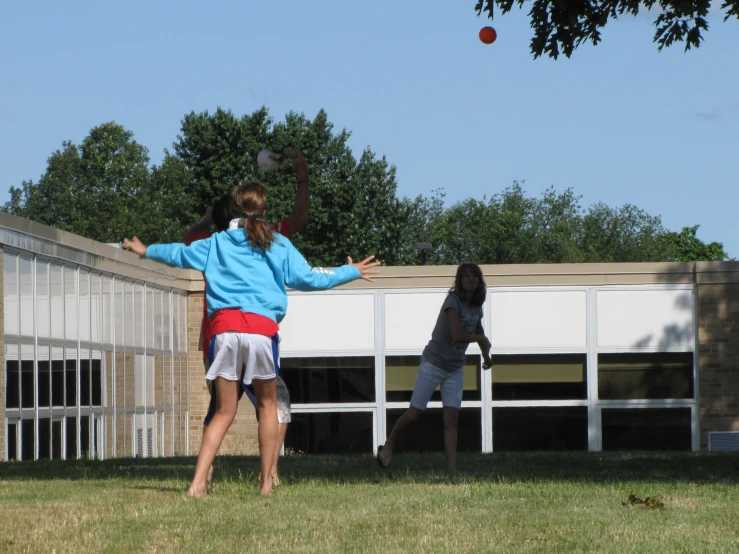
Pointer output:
x,y
383,464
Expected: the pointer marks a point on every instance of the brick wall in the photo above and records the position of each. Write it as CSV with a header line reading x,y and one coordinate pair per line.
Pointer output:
x,y
242,436
718,358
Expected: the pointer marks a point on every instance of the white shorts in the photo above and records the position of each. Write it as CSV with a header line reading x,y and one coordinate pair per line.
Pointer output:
x,y
429,377
243,356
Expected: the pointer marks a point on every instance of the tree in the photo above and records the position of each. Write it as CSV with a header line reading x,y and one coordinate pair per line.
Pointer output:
x,y
560,26
94,190
511,228
104,189
354,208
685,246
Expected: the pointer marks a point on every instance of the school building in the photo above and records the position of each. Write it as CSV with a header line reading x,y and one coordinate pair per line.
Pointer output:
x,y
102,356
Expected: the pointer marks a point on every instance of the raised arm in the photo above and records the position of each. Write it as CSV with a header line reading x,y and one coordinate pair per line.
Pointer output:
x,y
301,209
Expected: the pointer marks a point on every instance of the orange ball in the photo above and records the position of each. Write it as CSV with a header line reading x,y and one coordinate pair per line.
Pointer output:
x,y
488,35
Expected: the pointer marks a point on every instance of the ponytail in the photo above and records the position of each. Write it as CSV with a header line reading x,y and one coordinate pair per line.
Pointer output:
x,y
249,203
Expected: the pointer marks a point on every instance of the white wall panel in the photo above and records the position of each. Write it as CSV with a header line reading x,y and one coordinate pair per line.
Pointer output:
x,y
328,322
410,319
538,319
645,318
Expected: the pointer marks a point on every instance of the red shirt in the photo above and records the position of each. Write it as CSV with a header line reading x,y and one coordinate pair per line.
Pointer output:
x,y
234,319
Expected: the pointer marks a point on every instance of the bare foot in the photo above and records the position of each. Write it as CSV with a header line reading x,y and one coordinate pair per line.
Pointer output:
x,y
275,480
265,485
196,493
209,479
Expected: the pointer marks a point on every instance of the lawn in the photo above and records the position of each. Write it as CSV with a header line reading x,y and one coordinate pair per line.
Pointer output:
x,y
505,502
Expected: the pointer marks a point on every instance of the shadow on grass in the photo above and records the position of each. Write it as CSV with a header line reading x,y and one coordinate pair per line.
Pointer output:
x,y
699,467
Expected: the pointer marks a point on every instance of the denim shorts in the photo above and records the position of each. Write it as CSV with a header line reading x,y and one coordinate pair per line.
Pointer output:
x,y
429,377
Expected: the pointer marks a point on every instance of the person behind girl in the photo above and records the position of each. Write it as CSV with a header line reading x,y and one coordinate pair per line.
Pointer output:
x,y
247,267
219,216
442,362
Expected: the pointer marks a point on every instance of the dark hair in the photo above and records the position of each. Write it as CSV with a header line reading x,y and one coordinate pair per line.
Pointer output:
x,y
221,212
478,297
248,201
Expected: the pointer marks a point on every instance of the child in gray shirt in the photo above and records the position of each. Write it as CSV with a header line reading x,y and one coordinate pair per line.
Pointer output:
x,y
459,323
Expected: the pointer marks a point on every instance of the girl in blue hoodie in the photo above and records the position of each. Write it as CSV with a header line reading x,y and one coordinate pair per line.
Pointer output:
x,y
247,268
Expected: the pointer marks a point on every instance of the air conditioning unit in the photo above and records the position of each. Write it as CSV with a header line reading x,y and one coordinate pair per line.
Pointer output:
x,y
723,441
146,447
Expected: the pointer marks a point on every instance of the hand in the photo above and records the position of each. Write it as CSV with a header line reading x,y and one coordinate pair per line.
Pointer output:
x,y
487,363
365,267
300,164
135,246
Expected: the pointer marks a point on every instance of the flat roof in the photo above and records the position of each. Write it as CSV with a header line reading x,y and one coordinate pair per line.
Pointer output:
x,y
41,239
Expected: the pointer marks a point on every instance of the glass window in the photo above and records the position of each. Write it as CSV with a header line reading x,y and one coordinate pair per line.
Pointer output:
x,y
540,428
28,385
96,378
56,292
28,439
108,308
25,277
84,304
158,383
183,324
427,433
12,438
330,433
42,299
166,321
70,303
57,376
646,428
118,310
96,307
319,380
401,371
129,379
157,324
44,438
71,437
174,313
131,321
56,439
10,293
539,377
85,377
44,377
151,311
70,377
138,313
12,377
85,438
645,376
144,379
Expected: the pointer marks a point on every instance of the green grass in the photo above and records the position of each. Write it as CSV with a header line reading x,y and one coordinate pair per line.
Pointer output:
x,y
537,502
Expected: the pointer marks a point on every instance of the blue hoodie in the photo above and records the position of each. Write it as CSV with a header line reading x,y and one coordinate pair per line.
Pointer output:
x,y
242,277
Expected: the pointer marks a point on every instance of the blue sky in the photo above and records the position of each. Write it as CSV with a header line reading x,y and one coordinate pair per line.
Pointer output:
x,y
618,123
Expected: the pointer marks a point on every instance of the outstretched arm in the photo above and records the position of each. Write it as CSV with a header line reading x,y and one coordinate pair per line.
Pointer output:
x,y
178,255
300,276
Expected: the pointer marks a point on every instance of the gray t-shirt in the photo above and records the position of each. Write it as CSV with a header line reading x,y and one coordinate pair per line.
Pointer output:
x,y
441,351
